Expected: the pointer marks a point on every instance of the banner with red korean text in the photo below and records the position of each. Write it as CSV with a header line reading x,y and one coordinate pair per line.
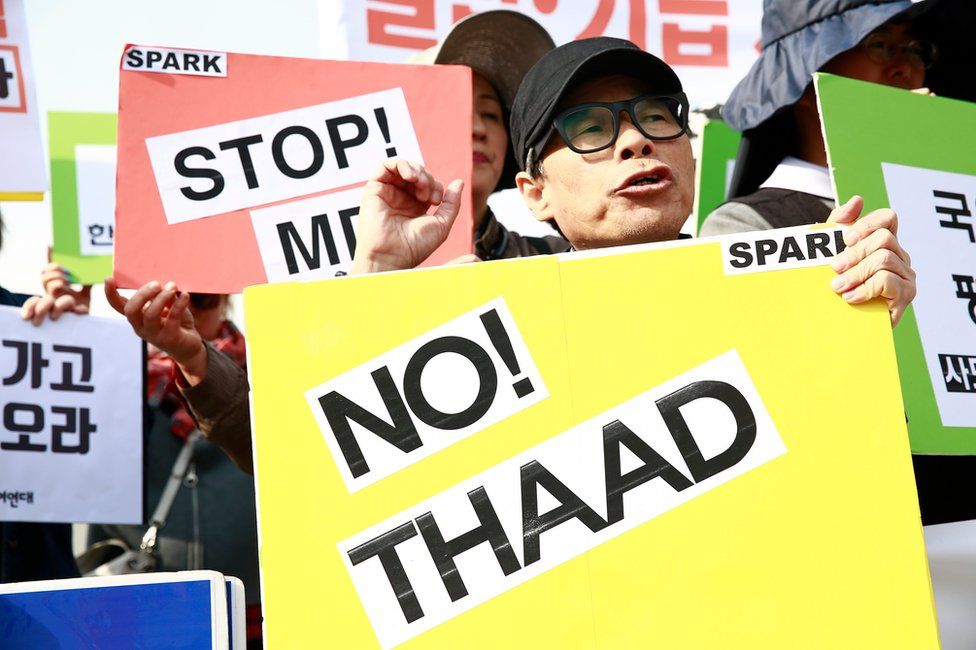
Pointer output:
x,y
236,170
710,43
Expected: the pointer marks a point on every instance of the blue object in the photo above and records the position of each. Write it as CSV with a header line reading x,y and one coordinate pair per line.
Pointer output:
x,y
154,615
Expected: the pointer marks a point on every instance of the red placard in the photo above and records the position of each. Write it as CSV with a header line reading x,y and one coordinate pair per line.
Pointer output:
x,y
236,170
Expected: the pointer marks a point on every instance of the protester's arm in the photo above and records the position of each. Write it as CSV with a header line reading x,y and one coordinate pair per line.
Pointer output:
x,y
874,265
730,218
219,405
394,230
214,386
60,297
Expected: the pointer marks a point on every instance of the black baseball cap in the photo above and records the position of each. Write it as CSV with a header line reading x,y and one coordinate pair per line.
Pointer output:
x,y
564,67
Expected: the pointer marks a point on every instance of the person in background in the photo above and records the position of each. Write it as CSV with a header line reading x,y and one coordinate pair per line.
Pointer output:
x,y
499,46
781,176
32,551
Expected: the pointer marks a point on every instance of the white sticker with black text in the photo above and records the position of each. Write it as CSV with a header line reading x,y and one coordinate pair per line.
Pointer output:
x,y
937,225
171,61
427,394
308,239
781,249
560,499
262,160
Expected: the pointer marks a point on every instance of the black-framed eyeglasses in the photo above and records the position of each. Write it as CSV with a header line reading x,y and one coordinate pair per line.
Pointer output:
x,y
592,127
919,54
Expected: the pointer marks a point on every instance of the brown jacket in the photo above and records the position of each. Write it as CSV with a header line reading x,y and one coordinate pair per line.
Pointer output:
x,y
220,402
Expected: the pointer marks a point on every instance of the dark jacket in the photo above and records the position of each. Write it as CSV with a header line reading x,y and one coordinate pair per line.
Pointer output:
x,y
493,241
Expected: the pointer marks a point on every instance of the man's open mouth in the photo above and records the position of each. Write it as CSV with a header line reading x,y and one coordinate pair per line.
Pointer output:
x,y
646,181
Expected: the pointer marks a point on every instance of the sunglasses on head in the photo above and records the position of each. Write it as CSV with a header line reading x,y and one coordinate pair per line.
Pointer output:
x,y
594,126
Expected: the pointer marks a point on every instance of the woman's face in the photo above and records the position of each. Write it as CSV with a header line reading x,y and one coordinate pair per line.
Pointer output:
x,y
489,139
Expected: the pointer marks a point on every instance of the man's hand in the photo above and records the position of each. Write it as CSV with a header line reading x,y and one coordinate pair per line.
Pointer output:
x,y
59,296
159,315
874,263
394,229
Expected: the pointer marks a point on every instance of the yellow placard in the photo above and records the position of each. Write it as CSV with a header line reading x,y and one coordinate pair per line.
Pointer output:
x,y
21,196
799,530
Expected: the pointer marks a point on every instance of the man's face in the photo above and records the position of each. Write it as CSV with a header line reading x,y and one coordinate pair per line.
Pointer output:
x,y
636,191
880,58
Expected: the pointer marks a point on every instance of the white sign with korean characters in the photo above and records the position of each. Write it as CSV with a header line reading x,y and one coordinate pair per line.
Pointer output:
x,y
71,406
937,226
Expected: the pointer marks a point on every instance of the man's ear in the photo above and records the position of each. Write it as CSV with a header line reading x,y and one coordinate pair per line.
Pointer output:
x,y
532,193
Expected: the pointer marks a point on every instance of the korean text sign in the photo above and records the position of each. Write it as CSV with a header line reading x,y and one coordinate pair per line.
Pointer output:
x,y
22,173
237,169
72,400
514,465
710,43
83,156
929,179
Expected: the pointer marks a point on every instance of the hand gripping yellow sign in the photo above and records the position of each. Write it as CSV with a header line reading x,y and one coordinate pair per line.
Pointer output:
x,y
566,452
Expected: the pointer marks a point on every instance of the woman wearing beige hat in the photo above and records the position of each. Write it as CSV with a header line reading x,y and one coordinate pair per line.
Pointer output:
x,y
500,47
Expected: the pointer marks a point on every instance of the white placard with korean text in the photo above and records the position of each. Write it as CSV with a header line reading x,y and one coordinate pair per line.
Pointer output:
x,y
95,179
937,226
22,167
71,420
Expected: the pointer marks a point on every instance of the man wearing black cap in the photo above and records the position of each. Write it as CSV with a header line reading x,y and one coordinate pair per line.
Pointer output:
x,y
599,128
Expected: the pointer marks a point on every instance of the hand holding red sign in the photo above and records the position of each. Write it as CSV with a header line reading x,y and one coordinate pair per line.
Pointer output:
x,y
395,229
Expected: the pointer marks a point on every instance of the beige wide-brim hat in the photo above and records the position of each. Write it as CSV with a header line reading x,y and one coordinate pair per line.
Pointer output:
x,y
499,45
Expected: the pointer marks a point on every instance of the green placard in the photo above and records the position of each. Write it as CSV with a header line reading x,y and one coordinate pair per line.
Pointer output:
x,y
924,146
68,131
719,145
